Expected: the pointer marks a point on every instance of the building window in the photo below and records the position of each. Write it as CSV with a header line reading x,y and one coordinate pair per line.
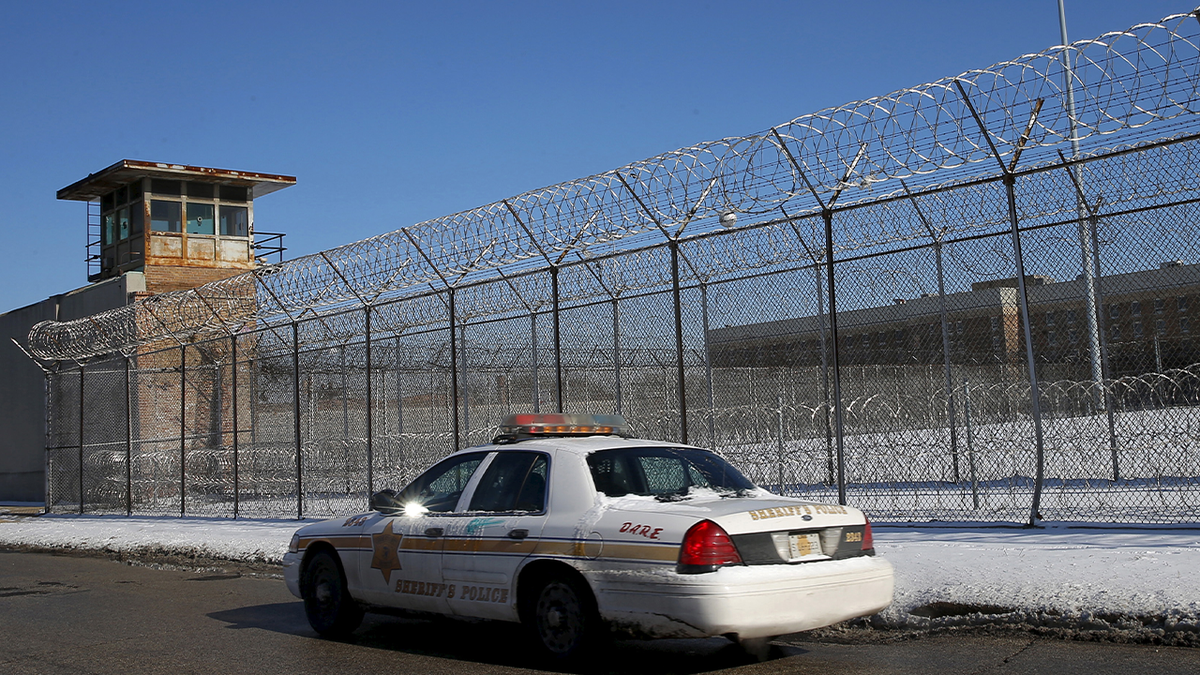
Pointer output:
x,y
1051,337
1183,324
199,218
235,220
959,327
995,323
1137,329
123,222
1114,312
201,190
1071,316
1158,305
1181,303
166,187
899,337
1049,318
1073,336
164,216
1160,327
996,342
121,214
234,193
1116,333
1135,308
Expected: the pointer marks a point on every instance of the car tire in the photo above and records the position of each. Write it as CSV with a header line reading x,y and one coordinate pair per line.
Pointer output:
x,y
562,619
327,602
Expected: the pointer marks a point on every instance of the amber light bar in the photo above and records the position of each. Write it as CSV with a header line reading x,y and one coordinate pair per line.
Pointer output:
x,y
558,424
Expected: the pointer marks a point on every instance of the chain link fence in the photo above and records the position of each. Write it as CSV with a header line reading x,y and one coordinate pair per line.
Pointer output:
x,y
931,305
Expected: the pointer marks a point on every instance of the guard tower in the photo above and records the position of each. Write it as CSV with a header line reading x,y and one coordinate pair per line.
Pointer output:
x,y
182,226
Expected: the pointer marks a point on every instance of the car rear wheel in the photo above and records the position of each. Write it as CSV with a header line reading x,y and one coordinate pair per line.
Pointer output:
x,y
563,619
330,609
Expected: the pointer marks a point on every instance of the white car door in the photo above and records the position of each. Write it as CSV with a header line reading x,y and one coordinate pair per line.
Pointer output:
x,y
502,526
404,568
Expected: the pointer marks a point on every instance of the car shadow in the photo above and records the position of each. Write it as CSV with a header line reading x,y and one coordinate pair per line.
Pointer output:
x,y
503,644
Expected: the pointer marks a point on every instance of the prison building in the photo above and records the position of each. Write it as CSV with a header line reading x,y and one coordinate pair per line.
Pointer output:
x,y
152,228
1145,319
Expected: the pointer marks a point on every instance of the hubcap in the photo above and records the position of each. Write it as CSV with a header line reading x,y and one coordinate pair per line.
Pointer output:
x,y
559,618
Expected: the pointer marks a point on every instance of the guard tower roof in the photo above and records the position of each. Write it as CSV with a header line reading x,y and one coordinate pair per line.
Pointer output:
x,y
126,170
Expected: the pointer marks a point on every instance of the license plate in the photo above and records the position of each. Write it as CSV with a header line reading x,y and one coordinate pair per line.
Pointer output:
x,y
805,545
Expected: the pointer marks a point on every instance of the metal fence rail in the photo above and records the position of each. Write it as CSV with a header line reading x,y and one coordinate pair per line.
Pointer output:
x,y
928,304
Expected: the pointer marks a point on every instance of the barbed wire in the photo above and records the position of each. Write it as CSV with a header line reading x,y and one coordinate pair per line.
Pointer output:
x,y
1131,86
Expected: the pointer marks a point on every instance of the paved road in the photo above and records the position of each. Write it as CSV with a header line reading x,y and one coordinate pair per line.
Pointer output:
x,y
62,614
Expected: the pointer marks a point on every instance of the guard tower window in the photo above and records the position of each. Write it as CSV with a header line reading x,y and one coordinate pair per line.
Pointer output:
x,y
123,222
164,215
166,187
235,220
199,218
234,193
201,190
121,214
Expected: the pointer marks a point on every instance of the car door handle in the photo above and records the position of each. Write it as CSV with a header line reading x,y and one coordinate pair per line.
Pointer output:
x,y
434,531
518,534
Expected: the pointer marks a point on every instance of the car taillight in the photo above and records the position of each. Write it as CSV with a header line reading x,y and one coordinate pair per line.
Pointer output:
x,y
705,548
868,540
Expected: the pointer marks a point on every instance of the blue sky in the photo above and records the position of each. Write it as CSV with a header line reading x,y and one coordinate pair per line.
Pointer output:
x,y
392,113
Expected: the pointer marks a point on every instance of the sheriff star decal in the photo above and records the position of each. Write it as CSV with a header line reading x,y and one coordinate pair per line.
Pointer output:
x,y
386,545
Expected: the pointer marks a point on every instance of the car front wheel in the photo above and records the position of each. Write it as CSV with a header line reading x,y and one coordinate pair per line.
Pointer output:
x,y
330,609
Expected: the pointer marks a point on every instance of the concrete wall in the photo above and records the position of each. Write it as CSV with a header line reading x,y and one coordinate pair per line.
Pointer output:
x,y
22,383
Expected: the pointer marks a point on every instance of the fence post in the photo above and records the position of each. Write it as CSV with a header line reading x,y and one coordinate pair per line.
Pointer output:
x,y
81,439
233,394
838,417
370,412
128,445
1010,182
708,370
536,388
617,354
182,430
296,420
680,384
454,371
1106,366
558,376
827,216
400,407
818,270
464,354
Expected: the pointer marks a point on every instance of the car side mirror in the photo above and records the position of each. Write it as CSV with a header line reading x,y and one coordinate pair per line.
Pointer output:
x,y
385,501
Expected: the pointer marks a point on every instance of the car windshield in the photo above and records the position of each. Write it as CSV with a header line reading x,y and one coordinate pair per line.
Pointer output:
x,y
664,473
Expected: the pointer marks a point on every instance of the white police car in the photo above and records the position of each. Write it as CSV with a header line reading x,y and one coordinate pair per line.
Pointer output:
x,y
572,529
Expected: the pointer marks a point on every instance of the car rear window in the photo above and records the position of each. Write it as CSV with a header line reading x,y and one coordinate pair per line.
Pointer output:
x,y
662,472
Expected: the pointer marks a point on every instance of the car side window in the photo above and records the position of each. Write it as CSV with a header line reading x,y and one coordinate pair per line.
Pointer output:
x,y
439,488
514,481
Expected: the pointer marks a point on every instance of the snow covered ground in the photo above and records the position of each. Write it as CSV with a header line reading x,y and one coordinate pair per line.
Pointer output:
x,y
1129,583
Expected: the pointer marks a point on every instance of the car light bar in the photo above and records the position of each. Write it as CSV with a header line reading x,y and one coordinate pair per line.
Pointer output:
x,y
523,425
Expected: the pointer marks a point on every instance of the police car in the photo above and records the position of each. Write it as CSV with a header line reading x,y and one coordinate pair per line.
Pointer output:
x,y
575,530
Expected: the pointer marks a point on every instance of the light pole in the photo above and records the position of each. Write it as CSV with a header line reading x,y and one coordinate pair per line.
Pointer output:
x,y
1085,237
